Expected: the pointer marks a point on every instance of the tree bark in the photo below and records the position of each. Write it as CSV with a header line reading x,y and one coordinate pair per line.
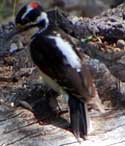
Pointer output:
x,y
110,24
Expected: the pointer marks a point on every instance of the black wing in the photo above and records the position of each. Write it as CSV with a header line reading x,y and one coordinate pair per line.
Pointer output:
x,y
78,84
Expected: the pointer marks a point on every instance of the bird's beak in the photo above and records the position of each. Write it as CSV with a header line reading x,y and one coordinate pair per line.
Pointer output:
x,y
18,29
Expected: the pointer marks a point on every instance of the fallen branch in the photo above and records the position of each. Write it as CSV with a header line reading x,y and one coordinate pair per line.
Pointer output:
x,y
110,24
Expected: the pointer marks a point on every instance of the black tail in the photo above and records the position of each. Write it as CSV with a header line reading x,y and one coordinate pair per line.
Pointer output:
x,y
78,117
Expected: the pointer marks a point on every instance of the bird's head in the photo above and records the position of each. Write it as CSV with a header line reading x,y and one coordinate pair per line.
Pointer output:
x,y
31,15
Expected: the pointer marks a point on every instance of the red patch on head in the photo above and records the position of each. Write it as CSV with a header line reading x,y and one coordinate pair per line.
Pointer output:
x,y
34,5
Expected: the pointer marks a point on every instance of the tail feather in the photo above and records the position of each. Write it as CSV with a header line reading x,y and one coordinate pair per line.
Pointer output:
x,y
78,117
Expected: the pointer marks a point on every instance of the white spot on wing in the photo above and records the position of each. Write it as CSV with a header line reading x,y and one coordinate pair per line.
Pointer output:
x,y
67,50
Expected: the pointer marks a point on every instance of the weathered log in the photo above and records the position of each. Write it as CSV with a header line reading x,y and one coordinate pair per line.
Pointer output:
x,y
20,127
40,126
110,24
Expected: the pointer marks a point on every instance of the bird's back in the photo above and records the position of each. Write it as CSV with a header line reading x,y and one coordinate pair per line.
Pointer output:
x,y
57,58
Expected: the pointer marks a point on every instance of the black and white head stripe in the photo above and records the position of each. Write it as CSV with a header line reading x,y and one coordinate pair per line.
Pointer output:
x,y
28,10
70,55
29,13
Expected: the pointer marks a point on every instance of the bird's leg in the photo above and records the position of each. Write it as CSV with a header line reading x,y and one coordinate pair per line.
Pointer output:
x,y
54,105
53,102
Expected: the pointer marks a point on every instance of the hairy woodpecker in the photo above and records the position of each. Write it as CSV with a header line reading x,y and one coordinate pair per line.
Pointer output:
x,y
60,63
